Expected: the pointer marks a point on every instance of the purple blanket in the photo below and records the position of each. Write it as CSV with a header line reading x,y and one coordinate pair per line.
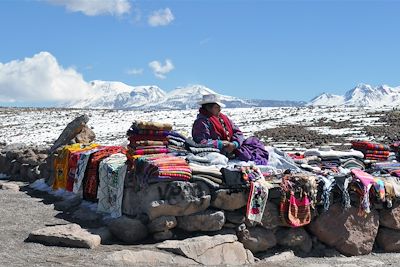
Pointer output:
x,y
252,149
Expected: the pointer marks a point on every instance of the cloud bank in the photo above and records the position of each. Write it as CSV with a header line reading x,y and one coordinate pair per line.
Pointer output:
x,y
39,79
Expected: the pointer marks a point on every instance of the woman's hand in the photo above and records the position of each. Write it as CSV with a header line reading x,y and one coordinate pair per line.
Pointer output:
x,y
229,146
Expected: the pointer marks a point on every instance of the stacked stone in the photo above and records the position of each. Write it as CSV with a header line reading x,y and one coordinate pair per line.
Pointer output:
x,y
21,162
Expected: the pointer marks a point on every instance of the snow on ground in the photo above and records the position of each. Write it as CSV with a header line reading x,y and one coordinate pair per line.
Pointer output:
x,y
43,126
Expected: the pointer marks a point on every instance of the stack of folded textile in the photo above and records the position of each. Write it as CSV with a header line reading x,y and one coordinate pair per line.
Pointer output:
x,y
161,167
148,138
372,151
177,144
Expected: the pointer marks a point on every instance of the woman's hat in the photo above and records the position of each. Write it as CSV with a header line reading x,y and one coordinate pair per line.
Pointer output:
x,y
211,98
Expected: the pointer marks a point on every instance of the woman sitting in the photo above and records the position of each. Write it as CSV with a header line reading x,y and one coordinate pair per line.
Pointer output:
x,y
216,130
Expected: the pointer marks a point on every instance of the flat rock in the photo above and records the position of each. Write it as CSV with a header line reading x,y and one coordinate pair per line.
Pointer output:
x,y
148,258
344,230
69,235
9,186
208,220
227,199
210,250
279,257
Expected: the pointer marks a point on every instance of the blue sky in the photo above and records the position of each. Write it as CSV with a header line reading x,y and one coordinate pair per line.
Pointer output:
x,y
284,50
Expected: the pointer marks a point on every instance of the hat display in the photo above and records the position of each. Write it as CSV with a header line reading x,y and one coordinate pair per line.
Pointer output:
x,y
211,98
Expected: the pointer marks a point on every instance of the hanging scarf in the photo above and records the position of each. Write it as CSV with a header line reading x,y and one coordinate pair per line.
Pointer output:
x,y
222,125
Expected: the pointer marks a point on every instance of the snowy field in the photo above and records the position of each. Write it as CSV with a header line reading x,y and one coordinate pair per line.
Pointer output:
x,y
34,126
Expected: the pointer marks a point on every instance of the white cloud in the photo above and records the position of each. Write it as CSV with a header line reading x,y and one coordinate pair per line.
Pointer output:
x,y
39,79
95,7
135,71
159,70
161,17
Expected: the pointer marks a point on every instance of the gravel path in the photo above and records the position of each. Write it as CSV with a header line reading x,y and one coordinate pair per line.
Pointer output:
x,y
20,214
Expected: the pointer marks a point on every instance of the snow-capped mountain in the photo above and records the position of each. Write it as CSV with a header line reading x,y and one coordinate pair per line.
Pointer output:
x,y
117,95
363,95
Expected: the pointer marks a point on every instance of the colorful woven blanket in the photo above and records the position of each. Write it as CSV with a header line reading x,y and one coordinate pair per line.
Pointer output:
x,y
365,145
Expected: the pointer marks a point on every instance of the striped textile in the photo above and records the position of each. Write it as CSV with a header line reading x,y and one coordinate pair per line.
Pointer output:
x,y
155,168
150,151
377,152
149,143
135,131
365,145
134,138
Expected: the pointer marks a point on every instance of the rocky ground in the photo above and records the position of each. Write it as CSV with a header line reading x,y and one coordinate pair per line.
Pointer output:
x,y
385,129
23,211
26,213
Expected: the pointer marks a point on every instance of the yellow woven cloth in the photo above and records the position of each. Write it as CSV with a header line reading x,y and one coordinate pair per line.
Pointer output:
x,y
61,163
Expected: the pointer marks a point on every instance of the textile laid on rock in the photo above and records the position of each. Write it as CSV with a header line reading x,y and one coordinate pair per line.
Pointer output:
x,y
61,164
257,200
112,172
91,180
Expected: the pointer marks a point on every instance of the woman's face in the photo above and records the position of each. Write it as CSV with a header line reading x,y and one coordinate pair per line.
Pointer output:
x,y
215,109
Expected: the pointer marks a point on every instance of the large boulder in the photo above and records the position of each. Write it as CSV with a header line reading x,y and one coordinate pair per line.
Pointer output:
x,y
295,238
227,199
70,235
128,230
176,198
162,223
345,230
271,218
70,132
210,250
85,136
205,221
388,239
390,218
256,239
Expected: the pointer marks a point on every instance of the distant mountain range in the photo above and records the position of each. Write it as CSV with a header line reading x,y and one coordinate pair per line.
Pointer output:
x,y
117,95
363,95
